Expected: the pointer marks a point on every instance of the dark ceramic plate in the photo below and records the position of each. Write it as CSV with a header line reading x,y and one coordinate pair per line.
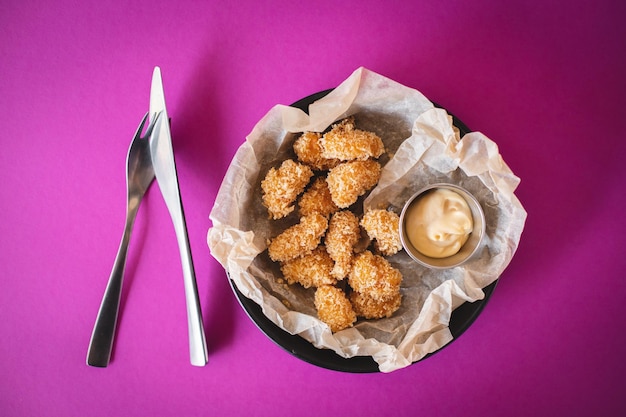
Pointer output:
x,y
460,320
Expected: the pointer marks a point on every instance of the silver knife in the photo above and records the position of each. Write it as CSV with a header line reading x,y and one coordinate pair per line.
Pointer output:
x,y
165,169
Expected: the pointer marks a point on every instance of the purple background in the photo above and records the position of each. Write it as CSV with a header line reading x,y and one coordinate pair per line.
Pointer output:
x,y
545,80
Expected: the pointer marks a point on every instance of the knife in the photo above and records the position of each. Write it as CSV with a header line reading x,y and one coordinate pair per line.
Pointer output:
x,y
162,156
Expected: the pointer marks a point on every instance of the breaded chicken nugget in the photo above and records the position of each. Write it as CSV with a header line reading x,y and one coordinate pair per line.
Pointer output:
x,y
317,199
350,180
299,239
334,308
346,143
370,308
308,150
343,233
374,276
312,270
383,227
282,186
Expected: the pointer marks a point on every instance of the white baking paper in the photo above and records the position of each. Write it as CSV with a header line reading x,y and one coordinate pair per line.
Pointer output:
x,y
423,147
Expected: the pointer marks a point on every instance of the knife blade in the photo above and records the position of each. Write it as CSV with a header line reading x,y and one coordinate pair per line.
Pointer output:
x,y
162,155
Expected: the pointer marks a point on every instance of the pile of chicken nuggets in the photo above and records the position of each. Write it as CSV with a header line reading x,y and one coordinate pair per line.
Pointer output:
x,y
329,174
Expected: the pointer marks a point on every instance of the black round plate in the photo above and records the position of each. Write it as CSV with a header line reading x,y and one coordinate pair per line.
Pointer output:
x,y
460,320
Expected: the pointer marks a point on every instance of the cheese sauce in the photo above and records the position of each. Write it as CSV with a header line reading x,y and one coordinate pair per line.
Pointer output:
x,y
439,223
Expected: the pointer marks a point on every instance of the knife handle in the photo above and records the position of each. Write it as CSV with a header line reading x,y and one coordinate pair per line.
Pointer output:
x,y
197,341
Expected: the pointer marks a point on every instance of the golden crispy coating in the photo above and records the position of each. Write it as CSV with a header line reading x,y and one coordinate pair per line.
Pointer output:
x,y
350,180
299,239
308,150
343,233
383,227
374,276
322,248
346,143
370,308
282,186
317,199
312,270
334,308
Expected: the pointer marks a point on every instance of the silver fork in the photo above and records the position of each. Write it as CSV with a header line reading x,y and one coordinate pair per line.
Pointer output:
x,y
139,176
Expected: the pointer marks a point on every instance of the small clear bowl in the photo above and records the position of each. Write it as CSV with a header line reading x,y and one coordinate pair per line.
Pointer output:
x,y
470,247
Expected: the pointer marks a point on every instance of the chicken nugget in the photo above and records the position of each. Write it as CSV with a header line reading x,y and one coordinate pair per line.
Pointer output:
x,y
346,143
370,308
374,276
342,235
312,270
383,227
350,180
308,150
334,308
282,186
299,239
317,198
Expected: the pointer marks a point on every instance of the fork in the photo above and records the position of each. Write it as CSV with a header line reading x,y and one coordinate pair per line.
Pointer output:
x,y
139,176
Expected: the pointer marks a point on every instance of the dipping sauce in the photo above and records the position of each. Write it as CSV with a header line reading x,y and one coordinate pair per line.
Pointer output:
x,y
439,223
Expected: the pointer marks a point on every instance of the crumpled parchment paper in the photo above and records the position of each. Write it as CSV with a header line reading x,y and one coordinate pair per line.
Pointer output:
x,y
423,147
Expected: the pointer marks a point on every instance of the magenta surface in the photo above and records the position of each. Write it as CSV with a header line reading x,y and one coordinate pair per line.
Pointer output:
x,y
545,80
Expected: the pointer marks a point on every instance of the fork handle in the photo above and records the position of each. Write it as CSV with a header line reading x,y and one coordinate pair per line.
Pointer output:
x,y
101,343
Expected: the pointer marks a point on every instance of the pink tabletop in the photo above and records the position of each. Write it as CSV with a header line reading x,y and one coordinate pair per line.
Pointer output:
x,y
543,79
